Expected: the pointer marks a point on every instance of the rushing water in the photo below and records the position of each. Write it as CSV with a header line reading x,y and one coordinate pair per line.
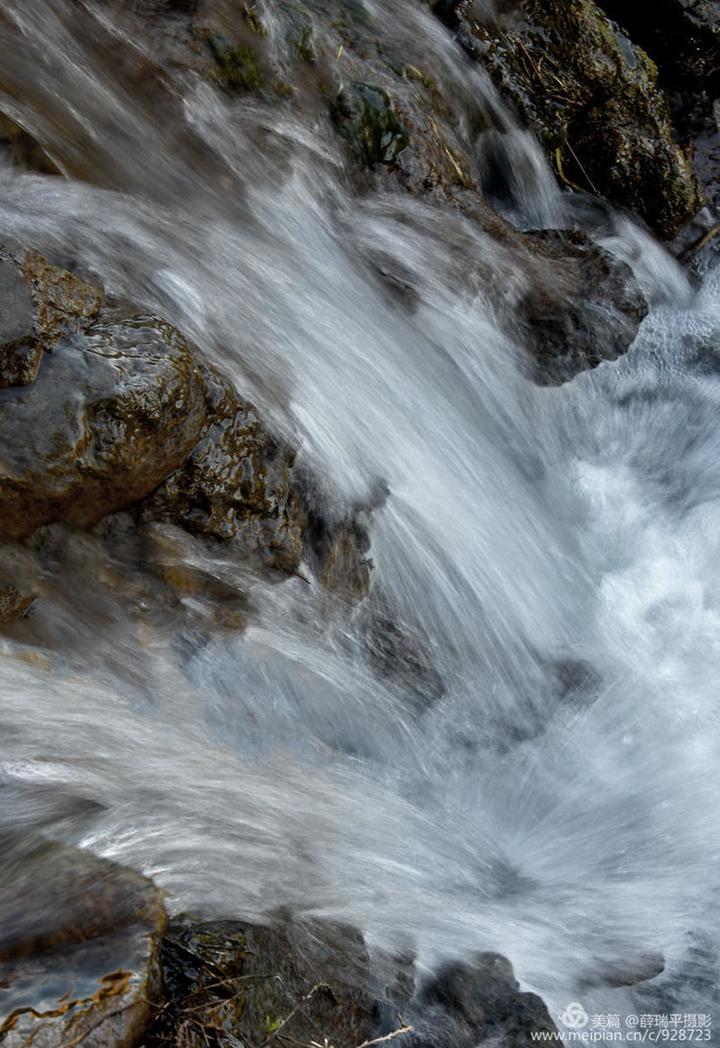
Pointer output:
x,y
559,547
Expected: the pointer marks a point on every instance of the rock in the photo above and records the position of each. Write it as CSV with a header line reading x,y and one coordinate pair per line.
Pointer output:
x,y
122,414
78,948
236,67
22,149
315,982
683,36
112,412
20,351
367,120
235,485
477,1002
592,97
63,304
39,303
14,605
402,653
583,307
244,982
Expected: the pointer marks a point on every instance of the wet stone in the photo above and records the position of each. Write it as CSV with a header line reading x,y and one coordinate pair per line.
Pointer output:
x,y
14,605
366,118
20,353
78,948
110,414
229,982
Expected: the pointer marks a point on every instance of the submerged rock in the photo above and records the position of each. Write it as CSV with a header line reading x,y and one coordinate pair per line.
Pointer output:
x,y
22,149
366,118
78,948
593,99
14,605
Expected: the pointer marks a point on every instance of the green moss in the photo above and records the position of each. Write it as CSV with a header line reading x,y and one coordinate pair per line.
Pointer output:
x,y
304,45
366,118
235,66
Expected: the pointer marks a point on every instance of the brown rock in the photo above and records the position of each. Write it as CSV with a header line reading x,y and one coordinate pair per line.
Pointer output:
x,y
111,414
235,483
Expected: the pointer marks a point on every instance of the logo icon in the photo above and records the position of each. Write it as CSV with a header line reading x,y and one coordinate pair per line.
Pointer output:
x,y
574,1017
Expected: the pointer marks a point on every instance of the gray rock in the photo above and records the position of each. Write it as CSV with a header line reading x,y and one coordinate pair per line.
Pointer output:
x,y
78,948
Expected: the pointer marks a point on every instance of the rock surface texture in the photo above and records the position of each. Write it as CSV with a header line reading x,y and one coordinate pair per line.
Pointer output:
x,y
314,982
100,413
78,948
592,97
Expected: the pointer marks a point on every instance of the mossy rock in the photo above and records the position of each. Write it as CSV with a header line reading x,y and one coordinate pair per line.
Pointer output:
x,y
236,68
228,980
367,120
593,99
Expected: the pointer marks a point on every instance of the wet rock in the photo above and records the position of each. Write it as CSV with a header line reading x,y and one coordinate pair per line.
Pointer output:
x,y
402,653
14,605
683,36
39,303
20,351
112,412
228,981
582,308
22,149
315,982
336,548
236,67
235,484
475,1003
78,948
366,118
592,97
63,304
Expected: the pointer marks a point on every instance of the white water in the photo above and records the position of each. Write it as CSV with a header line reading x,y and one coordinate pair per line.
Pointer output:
x,y
524,526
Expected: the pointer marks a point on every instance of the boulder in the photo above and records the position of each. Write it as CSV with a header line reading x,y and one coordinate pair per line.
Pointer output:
x,y
103,412
315,982
78,948
583,306
593,99
112,412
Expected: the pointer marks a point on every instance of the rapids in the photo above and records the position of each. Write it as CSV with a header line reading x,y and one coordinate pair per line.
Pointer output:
x,y
559,547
